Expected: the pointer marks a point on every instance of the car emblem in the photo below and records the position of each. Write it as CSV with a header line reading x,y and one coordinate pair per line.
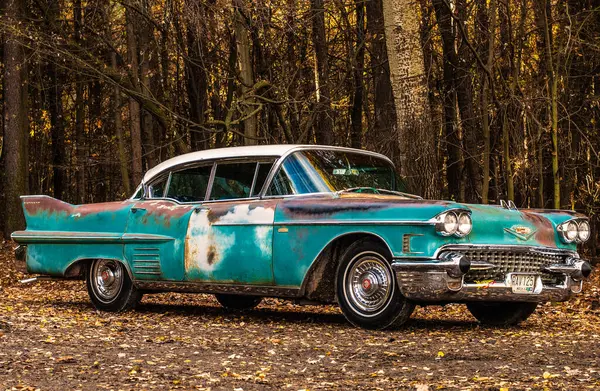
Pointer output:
x,y
521,232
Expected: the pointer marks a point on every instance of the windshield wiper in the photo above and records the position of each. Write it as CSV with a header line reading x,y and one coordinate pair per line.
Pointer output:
x,y
378,191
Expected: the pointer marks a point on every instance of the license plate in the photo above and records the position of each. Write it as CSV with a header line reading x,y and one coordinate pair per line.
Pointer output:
x,y
524,283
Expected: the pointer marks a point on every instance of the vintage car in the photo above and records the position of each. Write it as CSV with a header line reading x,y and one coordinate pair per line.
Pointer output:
x,y
310,223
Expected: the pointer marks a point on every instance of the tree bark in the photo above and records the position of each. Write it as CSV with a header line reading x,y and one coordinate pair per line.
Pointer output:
x,y
469,123
454,164
79,113
118,124
135,125
415,136
148,66
553,91
14,149
324,121
245,72
197,87
385,121
356,113
485,99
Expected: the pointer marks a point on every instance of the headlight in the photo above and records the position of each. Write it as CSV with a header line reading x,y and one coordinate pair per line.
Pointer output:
x,y
584,231
575,230
571,231
452,222
464,224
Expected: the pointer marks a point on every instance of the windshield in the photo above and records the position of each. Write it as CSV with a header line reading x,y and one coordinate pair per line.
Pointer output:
x,y
319,171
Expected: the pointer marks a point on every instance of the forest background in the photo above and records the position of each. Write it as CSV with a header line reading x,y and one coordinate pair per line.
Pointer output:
x,y
474,100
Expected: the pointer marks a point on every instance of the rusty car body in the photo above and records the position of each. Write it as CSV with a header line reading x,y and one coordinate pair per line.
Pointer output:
x,y
317,223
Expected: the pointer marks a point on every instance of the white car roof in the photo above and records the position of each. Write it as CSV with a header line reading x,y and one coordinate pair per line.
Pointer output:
x,y
277,150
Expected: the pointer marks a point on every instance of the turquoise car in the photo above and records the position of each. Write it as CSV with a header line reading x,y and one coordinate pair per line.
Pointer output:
x,y
312,223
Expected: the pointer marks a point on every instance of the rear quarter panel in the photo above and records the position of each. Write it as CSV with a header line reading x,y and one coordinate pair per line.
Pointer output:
x,y
58,234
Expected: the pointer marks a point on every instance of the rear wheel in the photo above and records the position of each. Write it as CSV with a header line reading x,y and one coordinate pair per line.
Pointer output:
x,y
501,314
109,286
367,290
238,302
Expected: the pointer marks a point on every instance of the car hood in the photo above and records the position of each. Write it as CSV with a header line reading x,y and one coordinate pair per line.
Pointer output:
x,y
492,224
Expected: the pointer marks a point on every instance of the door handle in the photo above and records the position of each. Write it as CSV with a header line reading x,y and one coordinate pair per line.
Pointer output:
x,y
136,208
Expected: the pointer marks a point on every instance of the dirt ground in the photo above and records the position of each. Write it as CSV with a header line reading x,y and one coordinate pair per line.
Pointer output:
x,y
52,339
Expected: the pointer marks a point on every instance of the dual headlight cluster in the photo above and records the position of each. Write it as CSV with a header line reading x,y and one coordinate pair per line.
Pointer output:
x,y
575,230
454,222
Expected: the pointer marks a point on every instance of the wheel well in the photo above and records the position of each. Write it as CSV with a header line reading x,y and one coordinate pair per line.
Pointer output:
x,y
76,270
319,283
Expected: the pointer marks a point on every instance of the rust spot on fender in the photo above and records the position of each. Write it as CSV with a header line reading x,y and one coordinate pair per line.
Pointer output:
x,y
545,234
211,254
35,205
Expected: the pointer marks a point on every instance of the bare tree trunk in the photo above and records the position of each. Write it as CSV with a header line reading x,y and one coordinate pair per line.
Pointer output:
x,y
14,149
468,118
324,122
197,87
356,113
485,98
118,123
454,164
148,66
292,69
53,97
385,121
415,136
79,114
134,106
553,90
246,74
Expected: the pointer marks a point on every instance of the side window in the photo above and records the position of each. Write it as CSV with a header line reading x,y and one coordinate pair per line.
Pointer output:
x,y
281,185
232,180
157,189
138,194
261,177
189,185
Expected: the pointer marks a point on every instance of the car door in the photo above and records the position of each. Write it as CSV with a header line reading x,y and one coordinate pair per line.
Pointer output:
x,y
157,225
230,238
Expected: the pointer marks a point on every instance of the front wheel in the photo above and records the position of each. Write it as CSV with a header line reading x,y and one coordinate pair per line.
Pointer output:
x,y
501,314
109,286
367,290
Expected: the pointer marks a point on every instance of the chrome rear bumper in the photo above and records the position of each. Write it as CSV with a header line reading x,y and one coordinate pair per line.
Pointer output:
x,y
443,280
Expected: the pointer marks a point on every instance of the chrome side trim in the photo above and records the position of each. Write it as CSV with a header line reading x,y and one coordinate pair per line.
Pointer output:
x,y
86,237
209,287
354,222
127,238
65,237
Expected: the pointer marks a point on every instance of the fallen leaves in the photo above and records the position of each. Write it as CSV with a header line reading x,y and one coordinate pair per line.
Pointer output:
x,y
51,338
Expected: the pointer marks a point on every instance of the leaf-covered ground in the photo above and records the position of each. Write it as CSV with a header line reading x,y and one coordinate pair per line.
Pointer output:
x,y
52,339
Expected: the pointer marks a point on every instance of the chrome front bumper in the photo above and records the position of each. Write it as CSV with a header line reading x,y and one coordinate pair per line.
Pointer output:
x,y
443,280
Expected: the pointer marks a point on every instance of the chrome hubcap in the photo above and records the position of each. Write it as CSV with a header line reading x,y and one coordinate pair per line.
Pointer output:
x,y
107,278
369,284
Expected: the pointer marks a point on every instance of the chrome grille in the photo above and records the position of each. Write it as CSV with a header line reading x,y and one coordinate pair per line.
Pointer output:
x,y
511,260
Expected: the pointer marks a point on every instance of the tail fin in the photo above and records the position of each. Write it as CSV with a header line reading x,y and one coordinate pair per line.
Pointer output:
x,y
41,210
